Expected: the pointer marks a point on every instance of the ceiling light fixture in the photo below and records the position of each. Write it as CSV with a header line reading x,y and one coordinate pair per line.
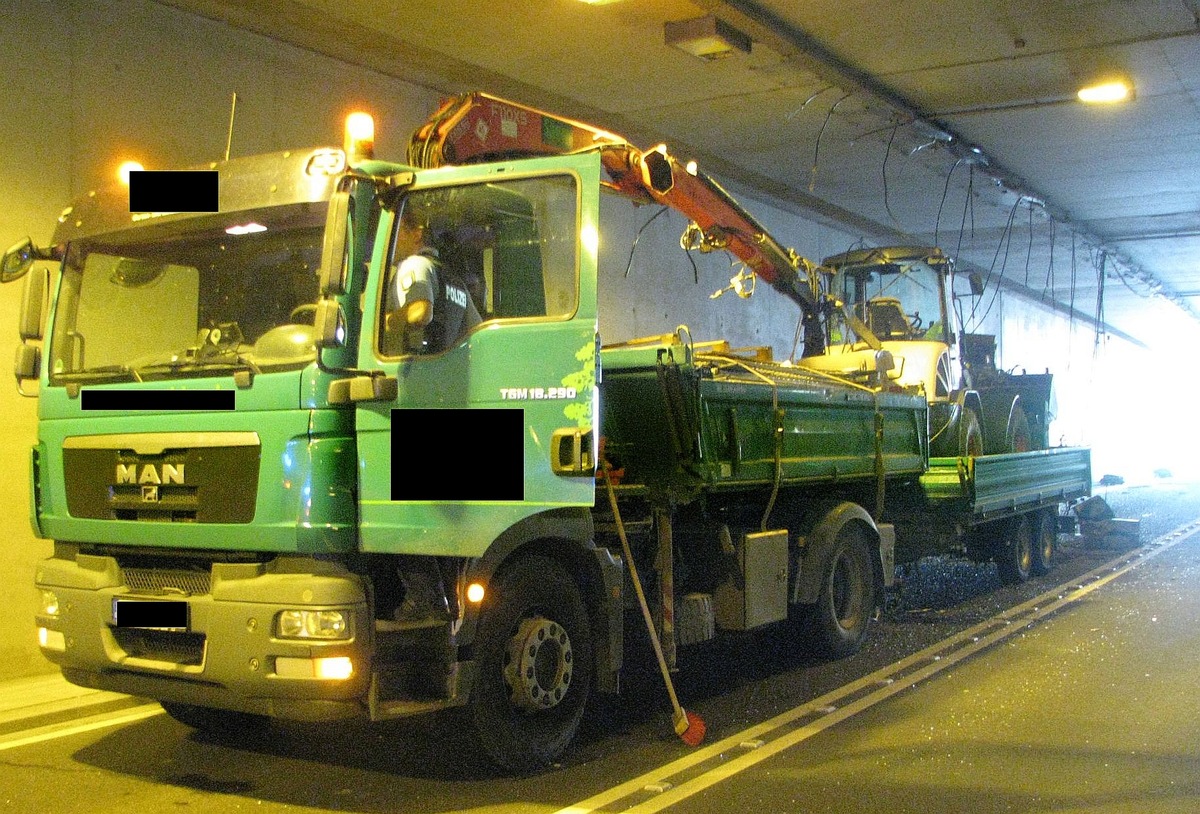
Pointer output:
x,y
1107,91
706,37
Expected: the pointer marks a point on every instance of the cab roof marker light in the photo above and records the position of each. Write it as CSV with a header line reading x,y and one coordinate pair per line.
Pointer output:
x,y
360,137
126,168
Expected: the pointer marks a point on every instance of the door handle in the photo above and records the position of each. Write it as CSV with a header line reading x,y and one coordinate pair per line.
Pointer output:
x,y
571,451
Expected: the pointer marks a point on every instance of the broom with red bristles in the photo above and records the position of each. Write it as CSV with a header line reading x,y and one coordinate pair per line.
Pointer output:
x,y
688,725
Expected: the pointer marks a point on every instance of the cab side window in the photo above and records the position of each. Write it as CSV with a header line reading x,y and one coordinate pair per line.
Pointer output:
x,y
464,255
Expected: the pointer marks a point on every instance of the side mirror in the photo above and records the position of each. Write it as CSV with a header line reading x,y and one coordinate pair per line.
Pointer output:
x,y
28,363
967,285
335,258
17,260
330,322
33,304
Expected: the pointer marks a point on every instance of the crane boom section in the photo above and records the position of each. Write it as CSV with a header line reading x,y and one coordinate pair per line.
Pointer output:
x,y
476,127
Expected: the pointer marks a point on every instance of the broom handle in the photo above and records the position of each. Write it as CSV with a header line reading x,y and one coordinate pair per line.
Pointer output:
x,y
637,587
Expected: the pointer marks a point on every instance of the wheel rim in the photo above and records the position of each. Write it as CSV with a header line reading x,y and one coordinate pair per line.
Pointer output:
x,y
1024,548
1046,542
846,591
537,665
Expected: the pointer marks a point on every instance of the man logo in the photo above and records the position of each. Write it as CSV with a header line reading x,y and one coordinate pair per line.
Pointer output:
x,y
149,473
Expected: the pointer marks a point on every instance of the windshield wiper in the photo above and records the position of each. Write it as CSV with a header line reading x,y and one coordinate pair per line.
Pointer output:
x,y
190,360
102,372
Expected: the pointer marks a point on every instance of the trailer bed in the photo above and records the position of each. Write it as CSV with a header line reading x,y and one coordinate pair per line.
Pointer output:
x,y
993,486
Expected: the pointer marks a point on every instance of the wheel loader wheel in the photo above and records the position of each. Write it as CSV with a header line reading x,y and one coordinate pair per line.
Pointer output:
x,y
1019,438
970,433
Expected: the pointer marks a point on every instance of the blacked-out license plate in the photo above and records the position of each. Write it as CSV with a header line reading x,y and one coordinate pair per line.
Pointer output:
x,y
158,614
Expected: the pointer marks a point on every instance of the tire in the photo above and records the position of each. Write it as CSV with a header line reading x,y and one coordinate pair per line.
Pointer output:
x,y
223,723
1018,438
534,651
1045,541
1015,552
970,433
839,620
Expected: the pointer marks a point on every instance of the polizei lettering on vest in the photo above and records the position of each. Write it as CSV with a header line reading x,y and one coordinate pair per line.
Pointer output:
x,y
149,473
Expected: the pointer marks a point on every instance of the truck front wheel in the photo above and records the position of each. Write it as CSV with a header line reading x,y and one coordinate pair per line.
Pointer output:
x,y
535,665
846,602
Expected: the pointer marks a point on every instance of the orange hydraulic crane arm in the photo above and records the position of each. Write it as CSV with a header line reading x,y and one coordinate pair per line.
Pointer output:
x,y
477,127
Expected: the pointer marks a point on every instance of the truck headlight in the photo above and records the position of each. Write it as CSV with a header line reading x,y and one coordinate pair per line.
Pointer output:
x,y
312,624
49,603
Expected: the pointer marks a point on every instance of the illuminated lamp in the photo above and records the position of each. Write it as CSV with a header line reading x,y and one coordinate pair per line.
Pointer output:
x,y
1107,91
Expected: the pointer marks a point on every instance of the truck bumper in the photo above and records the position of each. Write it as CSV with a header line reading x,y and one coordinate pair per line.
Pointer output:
x,y
229,654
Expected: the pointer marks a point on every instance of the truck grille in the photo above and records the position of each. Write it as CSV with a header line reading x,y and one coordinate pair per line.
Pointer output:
x,y
158,580
109,479
161,645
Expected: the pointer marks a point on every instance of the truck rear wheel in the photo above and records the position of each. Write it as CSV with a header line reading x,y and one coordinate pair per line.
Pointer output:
x,y
1045,542
1015,552
846,603
534,651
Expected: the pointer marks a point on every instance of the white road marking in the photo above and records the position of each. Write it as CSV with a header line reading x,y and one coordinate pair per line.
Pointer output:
x,y
708,766
68,728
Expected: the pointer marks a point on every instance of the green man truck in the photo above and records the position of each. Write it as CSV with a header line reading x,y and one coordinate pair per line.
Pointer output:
x,y
279,489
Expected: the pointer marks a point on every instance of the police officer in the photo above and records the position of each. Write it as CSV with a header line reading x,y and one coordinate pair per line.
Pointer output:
x,y
428,304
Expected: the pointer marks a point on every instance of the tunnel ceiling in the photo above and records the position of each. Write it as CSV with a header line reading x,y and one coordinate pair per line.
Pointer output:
x,y
907,121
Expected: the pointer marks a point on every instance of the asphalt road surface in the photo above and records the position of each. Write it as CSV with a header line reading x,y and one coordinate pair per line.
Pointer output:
x,y
1076,691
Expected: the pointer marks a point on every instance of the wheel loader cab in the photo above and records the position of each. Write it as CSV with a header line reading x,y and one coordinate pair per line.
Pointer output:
x,y
903,298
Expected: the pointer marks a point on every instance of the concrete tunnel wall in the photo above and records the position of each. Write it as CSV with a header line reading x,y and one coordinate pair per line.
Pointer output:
x,y
89,83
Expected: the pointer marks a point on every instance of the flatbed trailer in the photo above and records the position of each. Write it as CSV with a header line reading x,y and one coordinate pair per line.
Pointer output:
x,y
1006,507
992,487
711,447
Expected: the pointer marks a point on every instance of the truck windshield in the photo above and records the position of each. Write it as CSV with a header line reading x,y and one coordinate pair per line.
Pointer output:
x,y
191,297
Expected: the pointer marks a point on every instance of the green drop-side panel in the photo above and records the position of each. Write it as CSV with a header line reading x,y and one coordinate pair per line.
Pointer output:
x,y
683,426
995,485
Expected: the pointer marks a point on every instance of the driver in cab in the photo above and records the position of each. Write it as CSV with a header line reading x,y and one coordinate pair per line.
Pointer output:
x,y
429,305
